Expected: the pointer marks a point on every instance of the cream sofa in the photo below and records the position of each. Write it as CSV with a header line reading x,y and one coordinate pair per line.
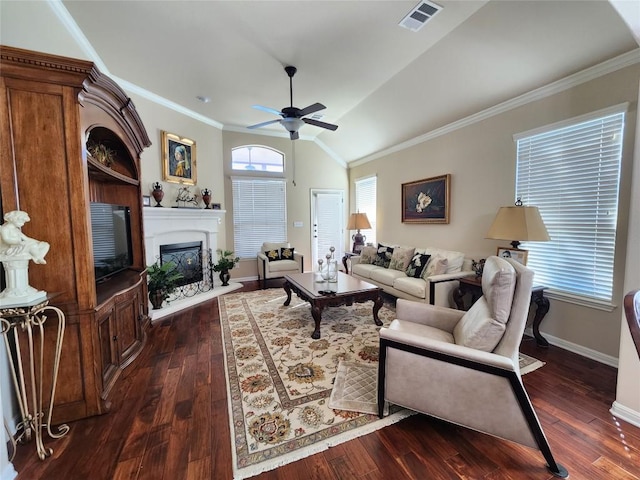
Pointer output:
x,y
435,289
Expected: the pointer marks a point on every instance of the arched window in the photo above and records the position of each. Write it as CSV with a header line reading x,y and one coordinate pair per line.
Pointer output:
x,y
257,158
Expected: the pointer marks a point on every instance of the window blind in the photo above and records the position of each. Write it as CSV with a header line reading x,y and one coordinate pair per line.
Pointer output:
x,y
259,214
366,203
572,175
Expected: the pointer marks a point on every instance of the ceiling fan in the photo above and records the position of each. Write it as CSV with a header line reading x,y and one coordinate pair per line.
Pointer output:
x,y
293,117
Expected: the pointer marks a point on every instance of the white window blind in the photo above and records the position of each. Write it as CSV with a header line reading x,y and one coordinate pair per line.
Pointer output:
x,y
259,213
366,203
572,175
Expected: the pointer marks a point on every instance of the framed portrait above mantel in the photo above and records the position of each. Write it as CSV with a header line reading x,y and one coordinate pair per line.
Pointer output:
x,y
178,159
426,200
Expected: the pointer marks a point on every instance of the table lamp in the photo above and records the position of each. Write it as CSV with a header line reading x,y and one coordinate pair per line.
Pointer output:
x,y
518,223
358,221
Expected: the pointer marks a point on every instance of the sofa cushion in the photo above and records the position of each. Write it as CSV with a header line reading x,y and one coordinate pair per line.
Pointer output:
x,y
368,254
416,287
384,256
273,255
455,259
363,269
284,266
437,266
484,324
401,257
416,266
386,276
286,253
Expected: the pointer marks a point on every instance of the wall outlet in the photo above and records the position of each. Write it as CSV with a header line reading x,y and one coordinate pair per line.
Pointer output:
x,y
297,224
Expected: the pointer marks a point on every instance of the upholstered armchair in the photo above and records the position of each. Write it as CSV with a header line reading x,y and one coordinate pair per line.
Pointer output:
x,y
463,367
275,260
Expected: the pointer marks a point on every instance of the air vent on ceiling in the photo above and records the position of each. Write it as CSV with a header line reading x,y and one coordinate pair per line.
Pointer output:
x,y
419,16
317,116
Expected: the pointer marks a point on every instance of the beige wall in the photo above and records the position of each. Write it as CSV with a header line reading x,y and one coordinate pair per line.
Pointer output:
x,y
481,161
313,169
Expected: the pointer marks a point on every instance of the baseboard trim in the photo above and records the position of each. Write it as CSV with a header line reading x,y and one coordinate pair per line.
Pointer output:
x,y
579,349
625,413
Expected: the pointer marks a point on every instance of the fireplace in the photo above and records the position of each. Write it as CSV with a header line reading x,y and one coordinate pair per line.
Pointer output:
x,y
190,229
187,257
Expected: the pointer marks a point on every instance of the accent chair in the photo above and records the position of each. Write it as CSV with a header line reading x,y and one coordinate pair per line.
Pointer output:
x,y
277,259
463,367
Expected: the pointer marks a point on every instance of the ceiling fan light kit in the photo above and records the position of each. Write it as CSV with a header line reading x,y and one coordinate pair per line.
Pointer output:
x,y
293,117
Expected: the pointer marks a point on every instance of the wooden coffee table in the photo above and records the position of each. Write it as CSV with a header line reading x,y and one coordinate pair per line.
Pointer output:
x,y
345,291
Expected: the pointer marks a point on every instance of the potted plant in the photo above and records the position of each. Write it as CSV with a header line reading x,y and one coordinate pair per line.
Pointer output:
x,y
163,280
226,261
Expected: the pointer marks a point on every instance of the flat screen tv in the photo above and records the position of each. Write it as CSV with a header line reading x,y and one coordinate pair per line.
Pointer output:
x,y
111,232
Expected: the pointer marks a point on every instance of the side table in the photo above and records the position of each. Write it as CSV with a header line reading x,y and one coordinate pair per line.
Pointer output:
x,y
27,368
345,258
472,285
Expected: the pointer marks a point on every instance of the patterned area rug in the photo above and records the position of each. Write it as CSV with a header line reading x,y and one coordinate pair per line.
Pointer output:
x,y
279,379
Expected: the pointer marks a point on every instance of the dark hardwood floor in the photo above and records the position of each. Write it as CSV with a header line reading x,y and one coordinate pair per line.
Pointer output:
x,y
169,421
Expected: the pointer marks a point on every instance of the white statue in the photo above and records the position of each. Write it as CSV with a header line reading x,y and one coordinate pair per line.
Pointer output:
x,y
16,249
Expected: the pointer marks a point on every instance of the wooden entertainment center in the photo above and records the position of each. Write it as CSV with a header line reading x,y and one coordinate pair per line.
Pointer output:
x,y
52,109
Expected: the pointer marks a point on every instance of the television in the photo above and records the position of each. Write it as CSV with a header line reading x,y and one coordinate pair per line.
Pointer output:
x,y
111,236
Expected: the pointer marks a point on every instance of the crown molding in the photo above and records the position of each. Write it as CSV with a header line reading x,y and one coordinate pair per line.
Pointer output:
x,y
622,61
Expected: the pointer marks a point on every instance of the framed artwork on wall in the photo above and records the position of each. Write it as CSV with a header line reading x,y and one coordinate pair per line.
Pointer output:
x,y
178,159
427,200
518,255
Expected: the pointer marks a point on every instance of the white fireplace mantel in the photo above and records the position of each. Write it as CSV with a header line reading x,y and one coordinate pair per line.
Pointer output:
x,y
164,225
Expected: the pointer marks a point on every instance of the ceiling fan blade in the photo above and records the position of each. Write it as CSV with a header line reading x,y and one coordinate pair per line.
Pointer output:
x,y
267,109
294,135
328,126
264,124
316,107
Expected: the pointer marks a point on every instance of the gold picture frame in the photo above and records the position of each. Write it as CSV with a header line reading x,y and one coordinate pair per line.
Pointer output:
x,y
516,254
178,159
426,200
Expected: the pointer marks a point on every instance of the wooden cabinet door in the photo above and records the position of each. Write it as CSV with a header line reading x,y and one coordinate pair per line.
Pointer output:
x,y
108,346
129,332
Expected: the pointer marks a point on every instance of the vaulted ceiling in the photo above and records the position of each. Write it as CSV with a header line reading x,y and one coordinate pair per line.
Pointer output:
x,y
382,84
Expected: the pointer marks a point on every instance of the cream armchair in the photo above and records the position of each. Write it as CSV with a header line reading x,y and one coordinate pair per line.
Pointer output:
x,y
269,268
463,367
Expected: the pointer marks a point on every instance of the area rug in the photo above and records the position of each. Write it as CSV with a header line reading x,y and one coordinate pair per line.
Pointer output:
x,y
529,364
356,385
279,379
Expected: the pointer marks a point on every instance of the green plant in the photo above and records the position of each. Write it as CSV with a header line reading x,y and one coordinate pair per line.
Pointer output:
x,y
226,261
163,278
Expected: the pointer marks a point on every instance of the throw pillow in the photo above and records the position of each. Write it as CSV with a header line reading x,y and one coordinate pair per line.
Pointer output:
x,y
383,258
272,255
417,265
400,258
286,253
368,254
436,266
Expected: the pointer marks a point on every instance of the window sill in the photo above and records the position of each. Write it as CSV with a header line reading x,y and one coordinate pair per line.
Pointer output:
x,y
578,300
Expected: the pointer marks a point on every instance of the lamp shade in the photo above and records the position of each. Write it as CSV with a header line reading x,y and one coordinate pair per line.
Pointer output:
x,y
358,221
518,223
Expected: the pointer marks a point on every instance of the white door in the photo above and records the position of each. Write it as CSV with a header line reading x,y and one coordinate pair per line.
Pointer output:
x,y
327,224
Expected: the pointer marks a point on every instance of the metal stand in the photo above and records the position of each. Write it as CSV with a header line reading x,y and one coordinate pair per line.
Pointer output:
x,y
30,319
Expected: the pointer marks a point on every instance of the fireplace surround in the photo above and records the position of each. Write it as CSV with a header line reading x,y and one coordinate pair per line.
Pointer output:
x,y
168,226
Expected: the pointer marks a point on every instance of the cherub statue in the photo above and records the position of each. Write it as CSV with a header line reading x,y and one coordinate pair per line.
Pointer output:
x,y
14,243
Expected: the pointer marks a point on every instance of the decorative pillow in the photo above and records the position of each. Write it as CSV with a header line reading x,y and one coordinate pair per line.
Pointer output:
x,y
417,265
400,258
286,253
437,266
368,254
272,255
383,258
